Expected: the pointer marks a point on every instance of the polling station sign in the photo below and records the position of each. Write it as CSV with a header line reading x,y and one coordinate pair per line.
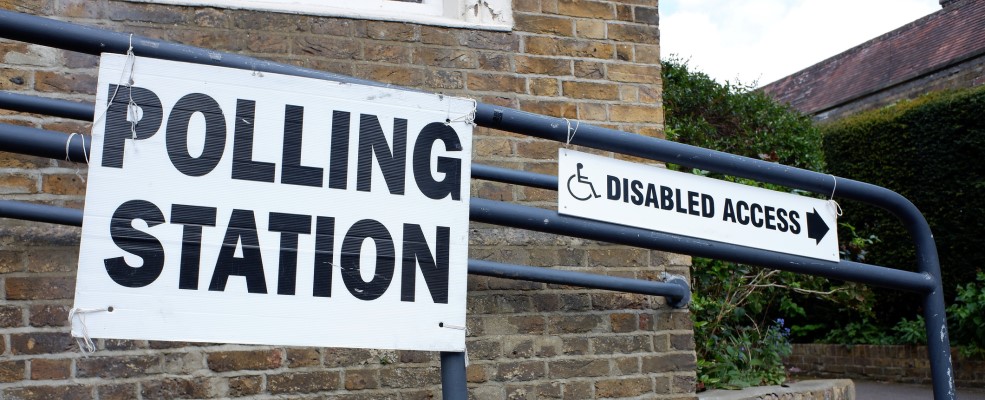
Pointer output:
x,y
234,206
659,199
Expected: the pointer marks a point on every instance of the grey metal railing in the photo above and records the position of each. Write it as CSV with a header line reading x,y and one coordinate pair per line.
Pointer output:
x,y
926,282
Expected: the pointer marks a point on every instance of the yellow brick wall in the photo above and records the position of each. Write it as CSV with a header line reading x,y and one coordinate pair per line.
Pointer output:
x,y
591,61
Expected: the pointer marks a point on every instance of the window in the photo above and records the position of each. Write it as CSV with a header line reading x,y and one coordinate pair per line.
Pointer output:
x,y
480,14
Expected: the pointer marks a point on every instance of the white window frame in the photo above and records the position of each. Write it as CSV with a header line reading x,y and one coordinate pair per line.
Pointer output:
x,y
496,15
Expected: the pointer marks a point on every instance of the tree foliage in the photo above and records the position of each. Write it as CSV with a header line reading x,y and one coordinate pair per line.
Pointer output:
x,y
731,117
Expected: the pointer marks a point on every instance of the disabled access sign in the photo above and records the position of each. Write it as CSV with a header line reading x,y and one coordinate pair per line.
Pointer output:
x,y
659,199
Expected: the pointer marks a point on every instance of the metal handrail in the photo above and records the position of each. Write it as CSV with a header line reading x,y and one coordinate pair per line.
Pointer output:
x,y
91,40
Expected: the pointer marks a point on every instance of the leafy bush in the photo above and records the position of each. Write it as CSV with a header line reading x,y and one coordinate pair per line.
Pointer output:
x,y
966,325
967,317
747,356
732,118
737,345
866,332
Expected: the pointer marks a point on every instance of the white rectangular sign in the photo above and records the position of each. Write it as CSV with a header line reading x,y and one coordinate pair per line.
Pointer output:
x,y
243,207
649,197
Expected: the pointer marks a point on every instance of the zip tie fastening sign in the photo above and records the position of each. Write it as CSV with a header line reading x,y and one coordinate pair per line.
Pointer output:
x,y
86,345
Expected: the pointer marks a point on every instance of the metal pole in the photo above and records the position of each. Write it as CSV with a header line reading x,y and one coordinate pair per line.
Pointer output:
x,y
536,219
69,36
676,292
40,213
934,311
938,344
46,106
43,143
453,383
506,175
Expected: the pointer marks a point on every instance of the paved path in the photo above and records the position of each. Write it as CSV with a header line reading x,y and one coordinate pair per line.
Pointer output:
x,y
866,390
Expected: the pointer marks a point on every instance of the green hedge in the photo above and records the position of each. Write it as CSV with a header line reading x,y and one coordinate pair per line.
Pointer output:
x,y
932,151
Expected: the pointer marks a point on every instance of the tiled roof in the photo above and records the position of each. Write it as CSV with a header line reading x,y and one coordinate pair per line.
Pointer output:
x,y
929,44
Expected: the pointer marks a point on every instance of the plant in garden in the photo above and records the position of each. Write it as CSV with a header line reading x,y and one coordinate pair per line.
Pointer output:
x,y
911,331
856,248
747,356
966,325
866,331
738,344
863,331
967,317
860,328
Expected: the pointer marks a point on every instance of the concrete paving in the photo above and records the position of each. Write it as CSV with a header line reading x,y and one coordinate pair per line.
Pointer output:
x,y
866,390
788,391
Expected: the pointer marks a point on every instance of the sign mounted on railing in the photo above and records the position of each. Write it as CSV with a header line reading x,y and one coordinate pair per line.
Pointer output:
x,y
234,206
659,199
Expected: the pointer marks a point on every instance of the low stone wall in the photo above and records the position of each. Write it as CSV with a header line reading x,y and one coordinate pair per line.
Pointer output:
x,y
908,364
832,389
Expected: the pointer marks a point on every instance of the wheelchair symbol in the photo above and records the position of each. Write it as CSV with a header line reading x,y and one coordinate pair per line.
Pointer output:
x,y
581,183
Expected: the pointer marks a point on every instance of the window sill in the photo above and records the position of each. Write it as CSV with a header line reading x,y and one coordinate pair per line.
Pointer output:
x,y
490,19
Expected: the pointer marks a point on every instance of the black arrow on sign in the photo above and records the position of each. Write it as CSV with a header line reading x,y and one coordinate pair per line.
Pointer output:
x,y
816,228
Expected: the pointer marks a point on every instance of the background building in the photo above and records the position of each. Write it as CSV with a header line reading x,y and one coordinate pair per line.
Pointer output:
x,y
943,50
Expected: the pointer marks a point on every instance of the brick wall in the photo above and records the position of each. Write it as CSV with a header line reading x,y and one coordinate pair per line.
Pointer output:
x,y
907,364
594,61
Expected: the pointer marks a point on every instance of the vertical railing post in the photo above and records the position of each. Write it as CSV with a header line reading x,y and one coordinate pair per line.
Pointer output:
x,y
934,313
938,345
453,385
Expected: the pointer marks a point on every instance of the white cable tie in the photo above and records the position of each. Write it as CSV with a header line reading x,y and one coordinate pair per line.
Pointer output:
x,y
468,118
441,97
84,154
831,201
132,108
571,132
461,328
68,146
132,113
834,188
131,60
86,345
836,207
450,326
